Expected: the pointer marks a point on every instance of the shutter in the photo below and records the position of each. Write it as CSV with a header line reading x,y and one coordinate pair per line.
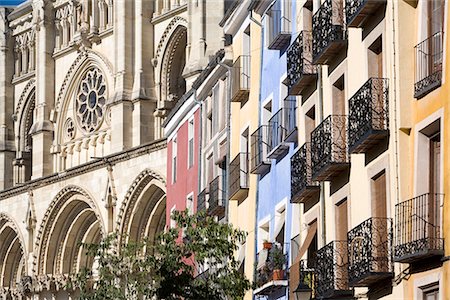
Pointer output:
x,y
379,196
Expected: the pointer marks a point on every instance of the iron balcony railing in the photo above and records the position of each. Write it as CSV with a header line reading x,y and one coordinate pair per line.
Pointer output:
x,y
240,84
429,55
216,197
359,11
417,228
370,252
279,29
281,126
302,185
329,35
307,275
329,150
259,163
368,120
300,70
202,200
331,273
264,270
239,177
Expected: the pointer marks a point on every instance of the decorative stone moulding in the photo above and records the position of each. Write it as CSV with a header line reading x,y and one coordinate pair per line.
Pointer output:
x,y
90,101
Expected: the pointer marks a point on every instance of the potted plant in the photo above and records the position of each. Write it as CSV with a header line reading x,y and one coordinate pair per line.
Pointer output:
x,y
278,260
267,245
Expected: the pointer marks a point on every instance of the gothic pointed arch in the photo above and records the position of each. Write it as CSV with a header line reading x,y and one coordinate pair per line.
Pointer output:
x,y
24,117
12,255
143,209
171,59
94,70
72,218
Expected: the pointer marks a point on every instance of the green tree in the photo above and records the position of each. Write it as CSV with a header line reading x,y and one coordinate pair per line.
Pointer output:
x,y
167,268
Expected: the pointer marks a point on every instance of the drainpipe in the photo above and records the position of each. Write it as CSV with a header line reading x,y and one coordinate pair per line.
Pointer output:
x,y
322,184
227,157
199,171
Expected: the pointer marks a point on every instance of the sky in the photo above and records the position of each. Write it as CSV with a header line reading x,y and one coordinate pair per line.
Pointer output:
x,y
10,2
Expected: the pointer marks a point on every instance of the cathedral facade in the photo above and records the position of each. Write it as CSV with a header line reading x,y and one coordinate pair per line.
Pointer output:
x,y
85,86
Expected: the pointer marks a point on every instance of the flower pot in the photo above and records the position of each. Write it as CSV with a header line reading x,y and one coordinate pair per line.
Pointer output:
x,y
267,245
278,274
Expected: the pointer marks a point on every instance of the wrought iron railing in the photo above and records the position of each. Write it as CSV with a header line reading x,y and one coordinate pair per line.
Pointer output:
x,y
361,8
201,200
299,61
239,173
370,250
241,78
368,110
264,270
429,57
279,29
417,227
216,197
328,26
282,123
331,273
301,172
259,147
329,143
307,275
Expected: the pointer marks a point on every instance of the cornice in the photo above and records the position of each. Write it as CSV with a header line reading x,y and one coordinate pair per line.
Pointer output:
x,y
85,168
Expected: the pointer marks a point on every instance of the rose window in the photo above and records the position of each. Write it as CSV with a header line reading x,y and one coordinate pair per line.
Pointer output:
x,y
91,99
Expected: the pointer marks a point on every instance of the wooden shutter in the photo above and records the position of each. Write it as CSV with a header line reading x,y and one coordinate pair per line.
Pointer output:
x,y
379,196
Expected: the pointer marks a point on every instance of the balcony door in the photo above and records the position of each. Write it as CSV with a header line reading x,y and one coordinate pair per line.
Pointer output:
x,y
435,27
341,253
434,186
380,226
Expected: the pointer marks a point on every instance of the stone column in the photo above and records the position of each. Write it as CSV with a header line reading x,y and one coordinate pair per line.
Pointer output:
x,y
6,103
42,129
121,104
143,96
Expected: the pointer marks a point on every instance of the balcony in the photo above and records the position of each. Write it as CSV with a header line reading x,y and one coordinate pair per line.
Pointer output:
x,y
240,85
329,35
300,70
329,153
370,252
239,177
216,198
428,65
368,120
259,163
417,228
202,199
271,271
279,29
359,12
282,131
331,273
302,185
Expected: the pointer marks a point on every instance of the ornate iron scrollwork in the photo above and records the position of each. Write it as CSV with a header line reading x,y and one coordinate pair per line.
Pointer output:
x,y
370,248
301,172
368,110
328,26
299,58
331,272
329,143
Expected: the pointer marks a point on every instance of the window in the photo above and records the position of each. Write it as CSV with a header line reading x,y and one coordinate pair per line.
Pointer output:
x,y
379,195
190,204
431,293
341,221
375,59
191,143
173,224
174,160
310,123
339,97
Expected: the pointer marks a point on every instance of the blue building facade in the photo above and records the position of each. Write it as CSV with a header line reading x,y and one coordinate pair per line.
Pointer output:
x,y
273,145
